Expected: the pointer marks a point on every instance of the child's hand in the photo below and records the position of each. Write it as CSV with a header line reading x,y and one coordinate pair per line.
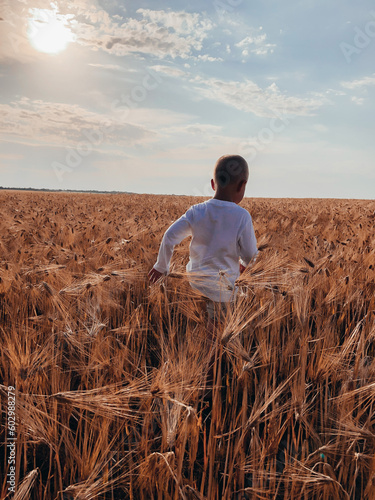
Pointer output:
x,y
154,275
242,268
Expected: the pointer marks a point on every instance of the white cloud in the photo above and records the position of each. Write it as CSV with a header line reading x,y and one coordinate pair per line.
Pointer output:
x,y
169,70
181,22
205,132
157,118
335,92
256,44
11,157
67,124
249,97
357,84
361,86
319,127
358,100
158,33
161,33
207,58
114,67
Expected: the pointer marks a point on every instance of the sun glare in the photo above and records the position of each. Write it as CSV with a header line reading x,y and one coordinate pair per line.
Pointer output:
x,y
48,31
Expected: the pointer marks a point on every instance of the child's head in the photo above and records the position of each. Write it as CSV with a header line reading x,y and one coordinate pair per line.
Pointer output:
x,y
230,177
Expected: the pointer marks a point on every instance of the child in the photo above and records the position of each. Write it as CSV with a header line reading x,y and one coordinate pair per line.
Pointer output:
x,y
223,242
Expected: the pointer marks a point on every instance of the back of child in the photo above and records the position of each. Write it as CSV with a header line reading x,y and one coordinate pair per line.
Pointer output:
x,y
223,239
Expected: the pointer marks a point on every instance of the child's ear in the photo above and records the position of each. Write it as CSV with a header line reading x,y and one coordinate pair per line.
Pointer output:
x,y
213,184
241,184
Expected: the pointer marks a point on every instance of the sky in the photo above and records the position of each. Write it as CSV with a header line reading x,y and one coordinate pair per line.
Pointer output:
x,y
145,96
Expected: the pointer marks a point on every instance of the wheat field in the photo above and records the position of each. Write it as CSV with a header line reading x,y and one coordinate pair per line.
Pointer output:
x,y
121,393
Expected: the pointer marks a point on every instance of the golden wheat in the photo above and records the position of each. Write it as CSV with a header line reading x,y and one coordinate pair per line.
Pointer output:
x,y
122,391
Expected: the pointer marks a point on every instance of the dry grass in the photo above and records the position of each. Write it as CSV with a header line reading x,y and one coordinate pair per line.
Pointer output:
x,y
111,373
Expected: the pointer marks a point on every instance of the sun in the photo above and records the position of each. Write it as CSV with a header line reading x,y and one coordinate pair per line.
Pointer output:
x,y
48,31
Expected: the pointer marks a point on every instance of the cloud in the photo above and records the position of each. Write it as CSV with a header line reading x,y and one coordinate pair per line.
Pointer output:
x,y
181,22
87,11
157,118
114,67
256,44
319,127
61,124
335,92
169,70
207,58
358,100
249,97
158,33
205,132
367,81
359,85
11,157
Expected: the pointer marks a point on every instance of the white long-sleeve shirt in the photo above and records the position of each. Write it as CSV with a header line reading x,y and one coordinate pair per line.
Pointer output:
x,y
223,235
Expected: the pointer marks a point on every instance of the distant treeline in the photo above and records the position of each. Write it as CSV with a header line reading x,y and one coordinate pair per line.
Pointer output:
x,y
64,190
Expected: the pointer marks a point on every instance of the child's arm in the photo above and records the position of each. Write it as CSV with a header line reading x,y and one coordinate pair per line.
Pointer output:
x,y
247,243
178,231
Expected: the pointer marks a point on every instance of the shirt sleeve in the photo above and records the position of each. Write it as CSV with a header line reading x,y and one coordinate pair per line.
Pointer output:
x,y
178,231
247,242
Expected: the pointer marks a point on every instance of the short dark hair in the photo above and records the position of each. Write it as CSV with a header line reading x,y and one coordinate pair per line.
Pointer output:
x,y
230,169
